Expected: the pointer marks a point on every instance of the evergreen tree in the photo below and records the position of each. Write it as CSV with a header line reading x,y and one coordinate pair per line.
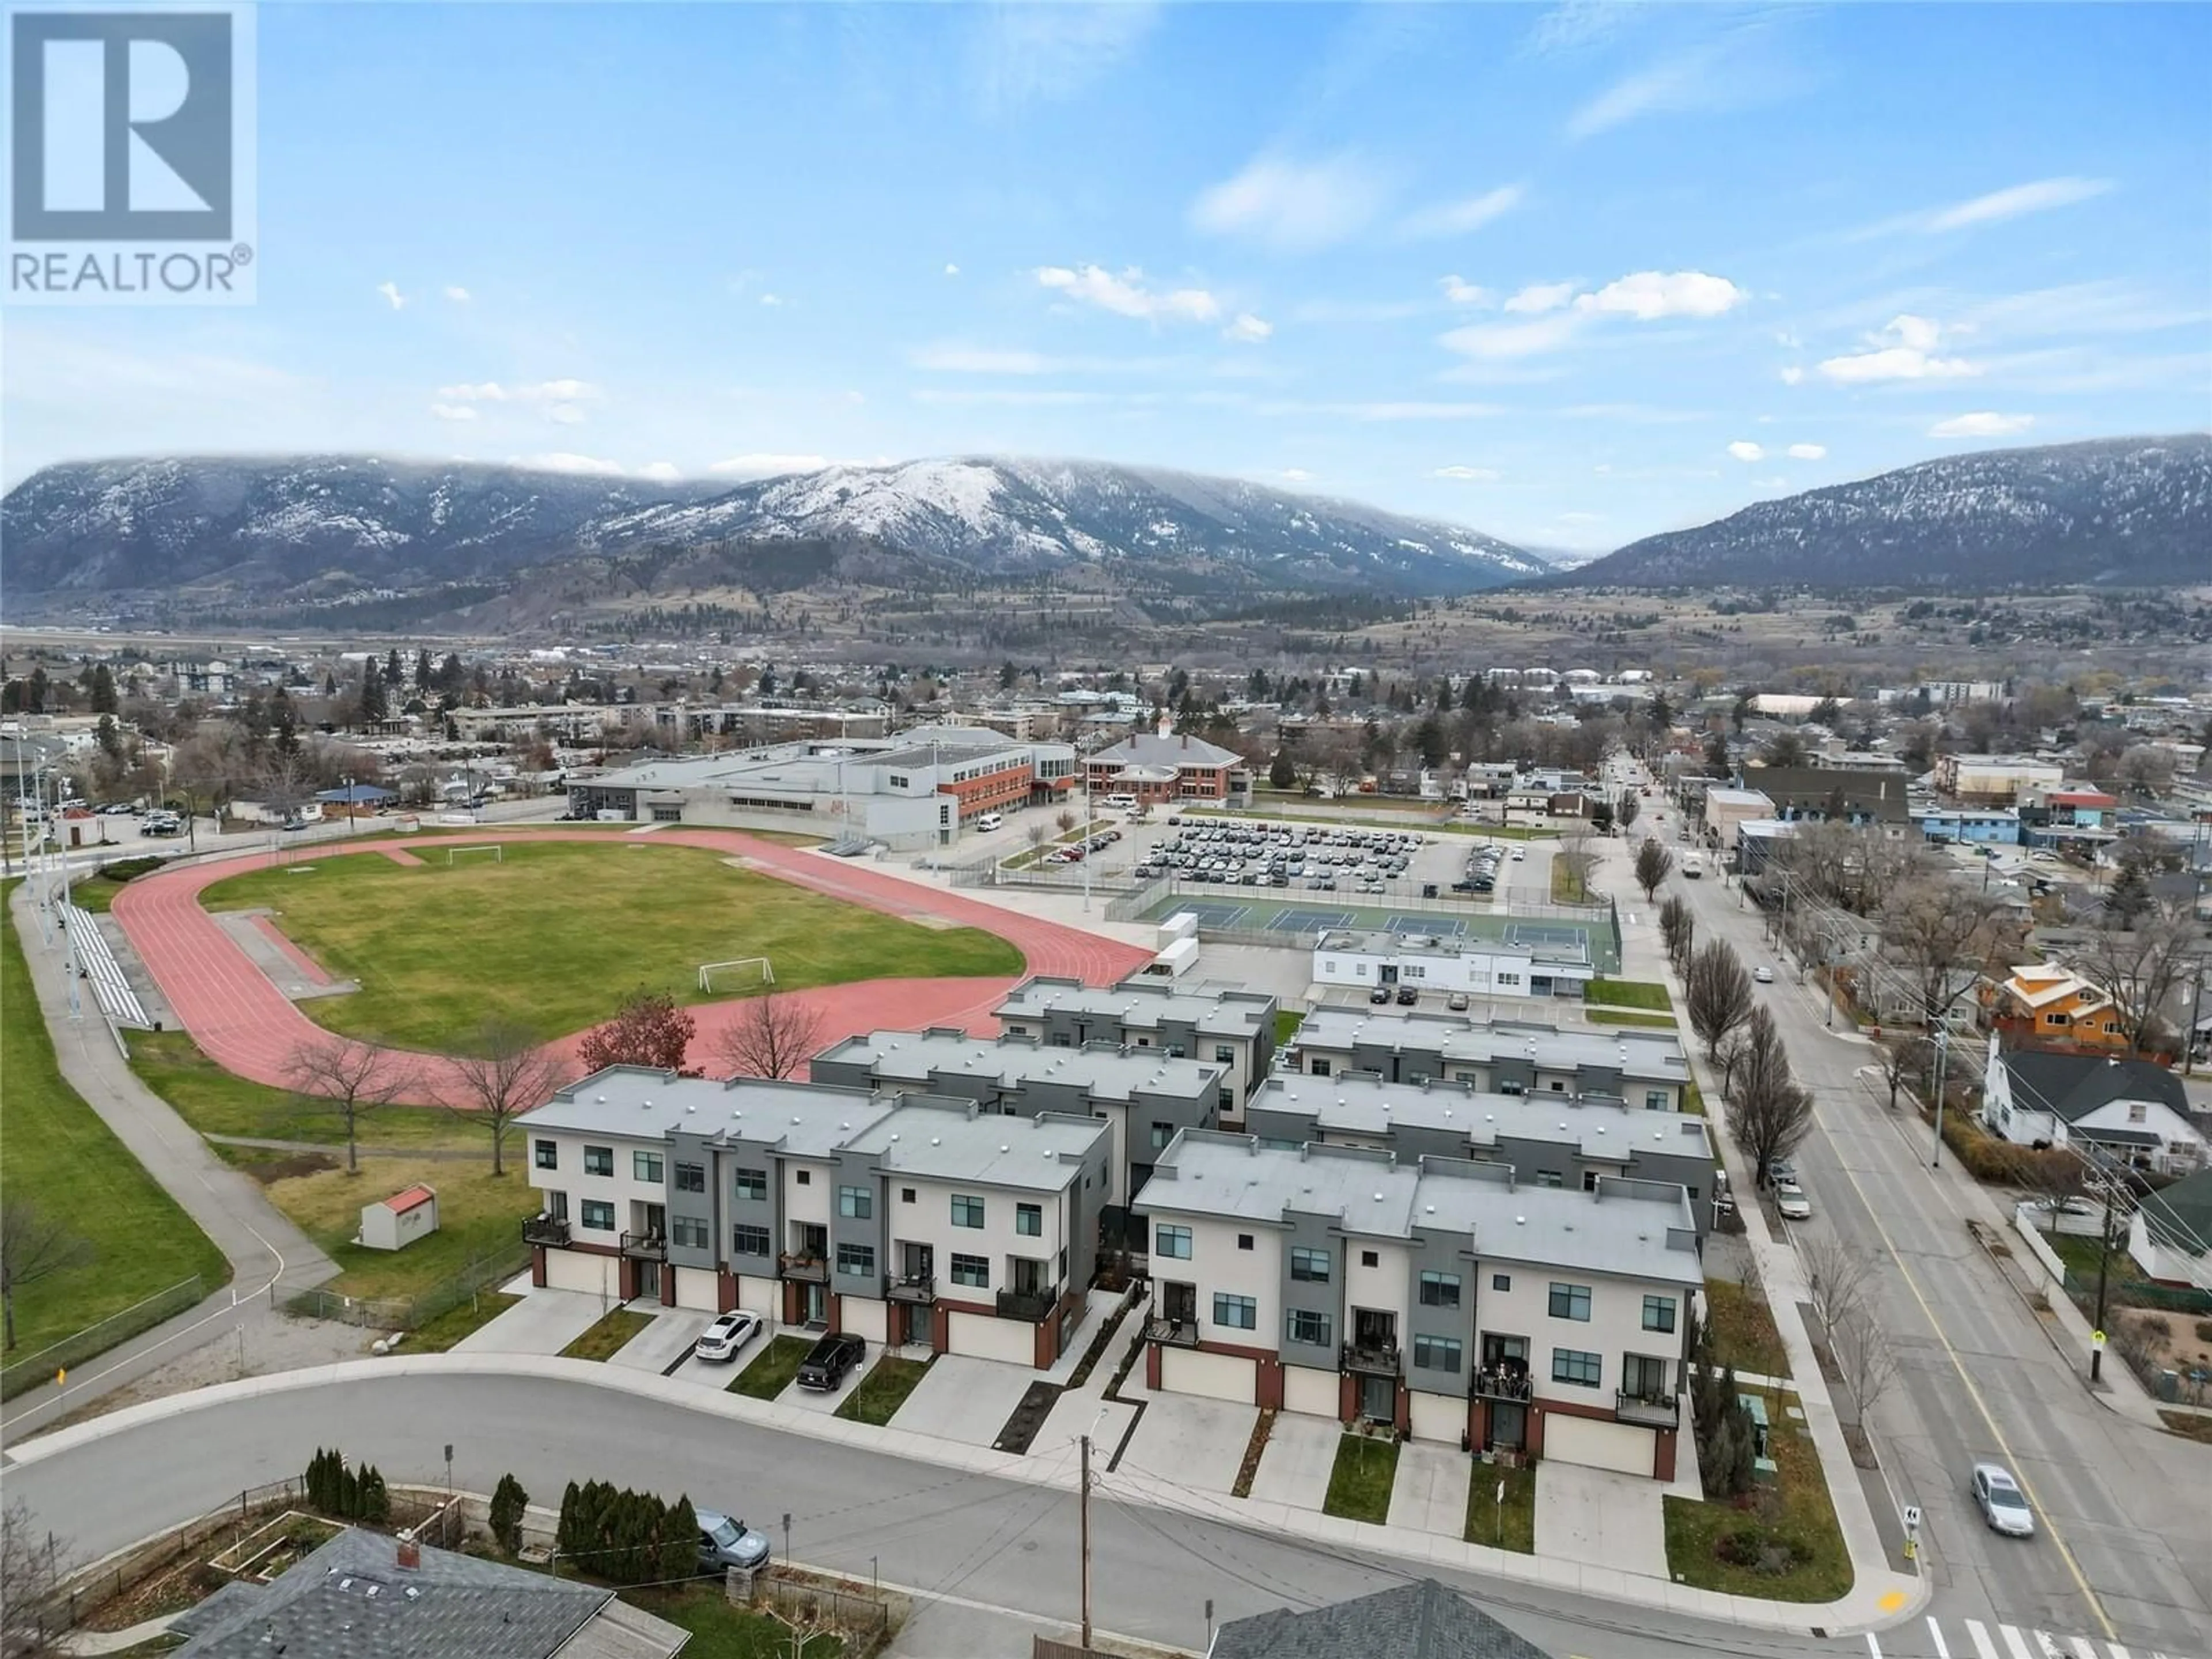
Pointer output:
x,y
373,704
394,675
36,689
1282,773
423,671
508,1501
679,1541
103,689
566,1529
330,683
348,1504
2128,898
452,678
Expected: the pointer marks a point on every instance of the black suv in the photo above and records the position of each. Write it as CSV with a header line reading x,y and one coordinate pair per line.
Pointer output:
x,y
830,1359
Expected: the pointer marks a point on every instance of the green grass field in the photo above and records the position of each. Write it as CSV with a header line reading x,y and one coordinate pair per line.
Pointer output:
x,y
463,1319
883,1390
1359,1484
217,1103
1507,1526
1647,994
1796,1511
1743,1329
57,1154
771,1369
555,935
479,1218
607,1336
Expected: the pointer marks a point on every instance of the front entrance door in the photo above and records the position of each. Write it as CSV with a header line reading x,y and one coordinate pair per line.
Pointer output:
x,y
814,1304
1378,1399
1509,1425
648,1279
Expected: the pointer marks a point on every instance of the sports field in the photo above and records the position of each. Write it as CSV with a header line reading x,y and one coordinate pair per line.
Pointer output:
x,y
1230,908
555,934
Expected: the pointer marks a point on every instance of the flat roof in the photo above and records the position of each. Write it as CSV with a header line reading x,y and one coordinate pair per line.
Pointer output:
x,y
807,1120
940,1142
1364,1103
1138,1005
1104,1072
1636,1053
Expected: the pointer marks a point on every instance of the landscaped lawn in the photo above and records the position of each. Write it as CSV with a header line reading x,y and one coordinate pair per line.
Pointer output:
x,y
1359,1485
1565,888
456,1322
1629,1017
479,1218
2080,1255
554,935
1511,1526
1797,1510
605,1337
55,1153
1629,993
1288,1021
883,1390
217,1103
1743,1329
1693,1099
720,1631
771,1369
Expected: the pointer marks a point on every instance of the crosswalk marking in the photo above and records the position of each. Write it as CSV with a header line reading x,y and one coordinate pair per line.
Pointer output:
x,y
2015,1641
2019,1644
1979,1636
1935,1635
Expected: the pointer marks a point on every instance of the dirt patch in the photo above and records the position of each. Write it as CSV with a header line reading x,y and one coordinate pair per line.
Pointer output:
x,y
284,1168
1252,1450
2177,1342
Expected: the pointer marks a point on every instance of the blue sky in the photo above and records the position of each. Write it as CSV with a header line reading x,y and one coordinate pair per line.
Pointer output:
x,y
1568,274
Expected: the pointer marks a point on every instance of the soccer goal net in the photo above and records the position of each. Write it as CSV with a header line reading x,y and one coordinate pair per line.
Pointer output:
x,y
498,852
740,974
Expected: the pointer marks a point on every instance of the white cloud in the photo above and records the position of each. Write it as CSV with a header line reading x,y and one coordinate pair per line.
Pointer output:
x,y
661,470
1745,67
566,414
1540,297
562,461
2036,197
1294,475
1468,474
771,299
767,466
1293,206
1791,375
1459,292
454,411
1247,330
1460,217
1808,451
952,269
1126,295
542,392
1901,351
1493,340
1387,411
1744,450
391,292
458,295
1042,53
1982,424
1652,294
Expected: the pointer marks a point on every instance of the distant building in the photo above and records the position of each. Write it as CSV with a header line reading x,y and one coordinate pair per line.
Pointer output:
x,y
1444,963
2130,1111
1167,767
1858,799
1981,826
2043,1004
1994,778
1727,808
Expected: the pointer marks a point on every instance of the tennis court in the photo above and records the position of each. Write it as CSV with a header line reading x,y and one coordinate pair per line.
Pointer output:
x,y
1271,915
1209,914
1420,924
1547,933
1293,919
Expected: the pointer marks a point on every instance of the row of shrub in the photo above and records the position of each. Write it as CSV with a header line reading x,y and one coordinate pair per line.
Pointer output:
x,y
625,1537
2006,1163
337,1488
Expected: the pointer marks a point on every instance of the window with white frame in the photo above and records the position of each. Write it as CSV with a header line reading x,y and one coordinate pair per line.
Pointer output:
x,y
646,1166
1170,1240
1309,1267
1237,1313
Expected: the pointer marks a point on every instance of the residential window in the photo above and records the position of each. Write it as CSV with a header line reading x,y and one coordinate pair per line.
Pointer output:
x,y
1501,1281
750,1183
1439,1290
973,1271
856,1261
599,1160
548,1155
967,1211
748,1240
1320,1067
1243,1241
688,1231
1162,1133
1061,1040
855,1203
1570,1301
1437,1353
1589,1181
1224,1100
906,1195
1654,1100
646,1166
1240,1312
1169,1240
1309,1266
1550,1178
691,1177
1029,1220
1369,1258
1573,1365
1658,1313
598,1215
805,1177
1224,1054
2138,1112
1307,1325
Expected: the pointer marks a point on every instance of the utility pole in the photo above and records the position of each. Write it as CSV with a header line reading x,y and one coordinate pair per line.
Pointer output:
x,y
2104,1258
1942,1049
1085,1508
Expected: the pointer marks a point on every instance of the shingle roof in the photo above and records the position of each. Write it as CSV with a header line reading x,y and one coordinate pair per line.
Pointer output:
x,y
2182,1214
1422,1620
2071,1086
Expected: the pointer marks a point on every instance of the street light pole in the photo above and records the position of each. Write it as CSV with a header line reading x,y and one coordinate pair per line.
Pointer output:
x,y
1084,1524
1942,1050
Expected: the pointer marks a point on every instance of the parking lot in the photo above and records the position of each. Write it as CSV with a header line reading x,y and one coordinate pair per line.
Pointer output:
x,y
1344,862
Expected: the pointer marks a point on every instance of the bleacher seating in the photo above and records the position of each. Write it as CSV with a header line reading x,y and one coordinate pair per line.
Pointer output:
x,y
101,971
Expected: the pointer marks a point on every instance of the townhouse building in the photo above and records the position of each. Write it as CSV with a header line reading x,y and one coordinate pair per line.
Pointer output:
x,y
910,1219
1644,1067
1570,1141
1225,1026
1144,1096
1439,1296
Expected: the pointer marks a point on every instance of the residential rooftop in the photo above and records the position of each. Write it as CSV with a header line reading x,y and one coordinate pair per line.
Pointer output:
x,y
1364,1103
1140,1004
1638,1053
1105,1071
805,1120
952,1141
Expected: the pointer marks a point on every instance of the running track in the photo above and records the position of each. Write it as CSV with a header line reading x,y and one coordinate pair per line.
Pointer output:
x,y
246,1025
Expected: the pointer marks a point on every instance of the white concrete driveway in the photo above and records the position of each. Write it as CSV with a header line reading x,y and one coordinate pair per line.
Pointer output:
x,y
817,1401
1300,1456
1192,1441
544,1321
1430,1494
665,1347
1601,1518
965,1400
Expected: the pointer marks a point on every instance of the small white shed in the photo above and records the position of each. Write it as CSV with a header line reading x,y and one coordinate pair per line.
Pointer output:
x,y
394,1223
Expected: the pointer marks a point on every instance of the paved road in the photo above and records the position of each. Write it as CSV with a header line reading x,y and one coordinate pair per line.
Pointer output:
x,y
2126,1551
938,1531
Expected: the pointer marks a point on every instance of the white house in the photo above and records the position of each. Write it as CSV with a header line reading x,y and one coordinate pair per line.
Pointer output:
x,y
1446,964
2170,1234
2131,1110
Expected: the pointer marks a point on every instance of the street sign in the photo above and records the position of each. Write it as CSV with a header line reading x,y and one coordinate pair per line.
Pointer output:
x,y
2097,1338
1912,1517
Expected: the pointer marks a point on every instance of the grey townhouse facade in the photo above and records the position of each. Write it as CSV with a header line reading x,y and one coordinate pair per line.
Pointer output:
x,y
1645,1068
1438,1296
1221,1025
915,1219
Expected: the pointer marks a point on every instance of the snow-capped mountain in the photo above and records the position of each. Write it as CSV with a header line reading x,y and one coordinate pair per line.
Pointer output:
x,y
279,523
2123,512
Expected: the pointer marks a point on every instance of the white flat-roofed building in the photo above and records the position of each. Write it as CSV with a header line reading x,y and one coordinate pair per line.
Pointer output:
x,y
1446,964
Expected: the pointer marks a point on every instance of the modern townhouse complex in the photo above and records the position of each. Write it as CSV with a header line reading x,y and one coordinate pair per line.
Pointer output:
x,y
1225,1026
1145,1096
1559,1141
911,1220
1646,1068
1443,1297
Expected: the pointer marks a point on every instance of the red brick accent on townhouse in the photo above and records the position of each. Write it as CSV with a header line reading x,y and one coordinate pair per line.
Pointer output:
x,y
537,1267
1268,1379
667,1286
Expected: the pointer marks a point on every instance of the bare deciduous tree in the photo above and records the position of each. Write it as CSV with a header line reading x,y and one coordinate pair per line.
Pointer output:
x,y
1839,1280
1864,1360
1579,852
773,1036
31,1569
503,1073
1769,1114
1903,1057
1718,992
350,1078
1654,863
33,1245
1938,926
1679,928
2140,966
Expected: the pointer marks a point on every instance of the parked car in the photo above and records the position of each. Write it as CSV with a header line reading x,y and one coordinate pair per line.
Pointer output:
x,y
1380,994
721,1340
1407,996
2000,1499
1457,1002
1781,1170
1763,974
1789,1199
828,1360
725,1543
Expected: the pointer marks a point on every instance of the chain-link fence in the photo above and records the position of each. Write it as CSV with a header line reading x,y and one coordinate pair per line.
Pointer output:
x,y
23,1375
405,1313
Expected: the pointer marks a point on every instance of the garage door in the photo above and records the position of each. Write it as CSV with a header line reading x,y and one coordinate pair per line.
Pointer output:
x,y
1315,1393
982,1336
1214,1375
1599,1445
1438,1417
697,1289
572,1270
763,1297
863,1316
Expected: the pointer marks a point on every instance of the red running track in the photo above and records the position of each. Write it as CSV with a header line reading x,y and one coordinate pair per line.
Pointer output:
x,y
243,1023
